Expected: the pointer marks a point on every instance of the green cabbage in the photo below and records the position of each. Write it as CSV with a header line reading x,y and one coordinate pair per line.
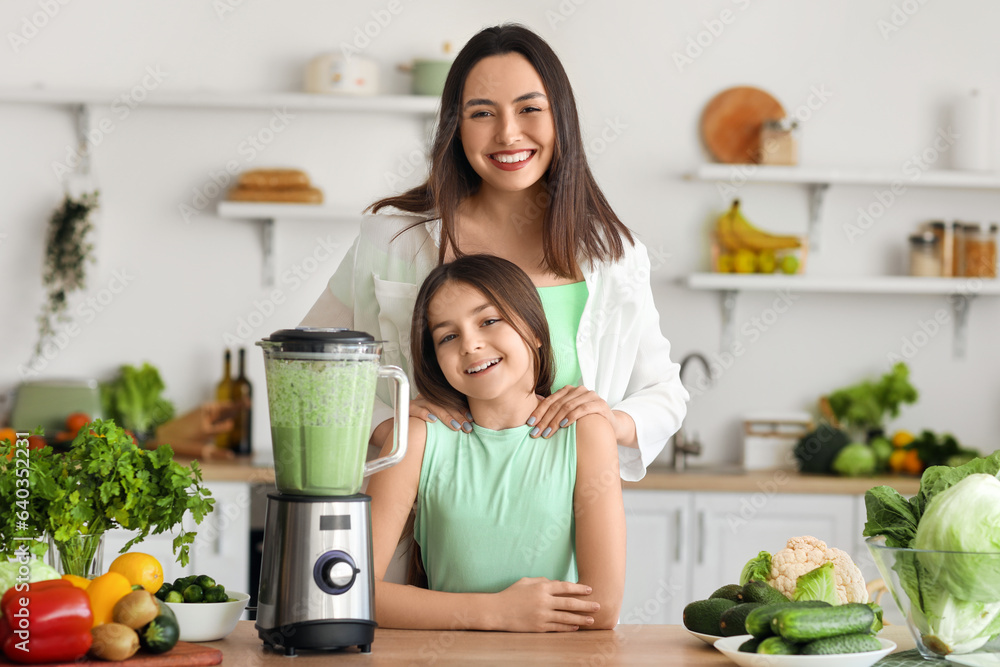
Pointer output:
x,y
756,569
817,584
855,460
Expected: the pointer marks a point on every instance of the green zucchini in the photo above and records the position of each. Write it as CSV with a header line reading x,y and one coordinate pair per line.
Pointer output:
x,y
804,624
758,591
777,646
704,615
162,633
758,621
860,642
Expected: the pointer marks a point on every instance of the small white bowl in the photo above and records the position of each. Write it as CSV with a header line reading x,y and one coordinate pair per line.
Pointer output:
x,y
208,621
730,648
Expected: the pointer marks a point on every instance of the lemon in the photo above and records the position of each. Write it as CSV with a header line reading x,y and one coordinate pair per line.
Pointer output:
x,y
139,568
725,264
766,262
745,261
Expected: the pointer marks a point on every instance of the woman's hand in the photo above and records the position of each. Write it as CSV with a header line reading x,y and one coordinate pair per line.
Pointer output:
x,y
570,403
537,604
421,408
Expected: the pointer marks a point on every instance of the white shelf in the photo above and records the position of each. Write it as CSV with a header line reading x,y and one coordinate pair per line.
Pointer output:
x,y
837,284
729,285
405,104
755,173
274,211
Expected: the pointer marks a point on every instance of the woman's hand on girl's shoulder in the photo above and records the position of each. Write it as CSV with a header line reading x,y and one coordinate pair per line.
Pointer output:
x,y
565,407
429,412
537,604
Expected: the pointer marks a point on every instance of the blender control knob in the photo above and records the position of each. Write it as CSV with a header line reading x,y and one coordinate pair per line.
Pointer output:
x,y
335,572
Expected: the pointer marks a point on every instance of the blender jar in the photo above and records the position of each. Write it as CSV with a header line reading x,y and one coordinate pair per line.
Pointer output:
x,y
320,395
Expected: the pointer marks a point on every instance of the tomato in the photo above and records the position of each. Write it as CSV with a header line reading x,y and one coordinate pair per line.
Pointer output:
x,y
36,442
76,421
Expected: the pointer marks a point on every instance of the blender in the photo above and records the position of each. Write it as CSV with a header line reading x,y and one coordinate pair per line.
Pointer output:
x,y
317,586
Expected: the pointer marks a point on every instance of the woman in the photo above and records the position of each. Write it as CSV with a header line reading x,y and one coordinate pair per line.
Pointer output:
x,y
509,177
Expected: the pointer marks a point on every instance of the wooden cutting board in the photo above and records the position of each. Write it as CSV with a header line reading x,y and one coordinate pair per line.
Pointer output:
x,y
184,654
731,121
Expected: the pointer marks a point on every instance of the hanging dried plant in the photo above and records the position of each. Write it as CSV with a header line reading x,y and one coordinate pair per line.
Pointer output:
x,y
67,253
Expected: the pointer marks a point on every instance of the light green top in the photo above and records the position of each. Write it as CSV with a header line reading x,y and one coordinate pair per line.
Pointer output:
x,y
564,306
495,506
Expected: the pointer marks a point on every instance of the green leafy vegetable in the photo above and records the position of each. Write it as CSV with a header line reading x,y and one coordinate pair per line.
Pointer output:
x,y
104,481
756,569
817,584
134,399
37,571
855,460
955,597
866,405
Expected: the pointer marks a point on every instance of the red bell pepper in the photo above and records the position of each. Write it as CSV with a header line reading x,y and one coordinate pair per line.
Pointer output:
x,y
47,621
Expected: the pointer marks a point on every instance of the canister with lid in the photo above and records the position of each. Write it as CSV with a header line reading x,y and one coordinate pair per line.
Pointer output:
x,y
925,258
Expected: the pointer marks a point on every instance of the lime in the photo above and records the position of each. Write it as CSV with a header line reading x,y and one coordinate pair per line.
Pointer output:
x,y
789,264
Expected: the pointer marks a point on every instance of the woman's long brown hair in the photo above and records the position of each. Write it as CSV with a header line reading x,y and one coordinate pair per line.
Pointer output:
x,y
578,218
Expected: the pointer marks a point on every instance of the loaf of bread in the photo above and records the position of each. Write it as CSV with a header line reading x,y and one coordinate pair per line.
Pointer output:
x,y
274,179
306,195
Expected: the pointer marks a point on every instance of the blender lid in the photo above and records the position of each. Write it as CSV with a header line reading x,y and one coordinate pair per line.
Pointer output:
x,y
315,335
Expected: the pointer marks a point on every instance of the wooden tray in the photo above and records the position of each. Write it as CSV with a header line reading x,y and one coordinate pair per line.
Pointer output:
x,y
731,122
184,654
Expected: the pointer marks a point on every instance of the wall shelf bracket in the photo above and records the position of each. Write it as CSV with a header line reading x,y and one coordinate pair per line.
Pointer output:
x,y
817,193
728,302
960,304
84,129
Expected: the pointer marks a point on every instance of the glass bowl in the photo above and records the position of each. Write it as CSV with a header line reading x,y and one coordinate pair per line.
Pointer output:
x,y
950,599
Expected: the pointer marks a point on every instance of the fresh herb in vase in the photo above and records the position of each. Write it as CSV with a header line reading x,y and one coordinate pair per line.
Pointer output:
x,y
67,253
104,481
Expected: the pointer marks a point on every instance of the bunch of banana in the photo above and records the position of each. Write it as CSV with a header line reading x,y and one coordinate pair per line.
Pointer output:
x,y
747,249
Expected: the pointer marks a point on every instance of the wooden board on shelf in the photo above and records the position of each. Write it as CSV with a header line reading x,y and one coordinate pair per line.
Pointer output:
x,y
731,122
185,654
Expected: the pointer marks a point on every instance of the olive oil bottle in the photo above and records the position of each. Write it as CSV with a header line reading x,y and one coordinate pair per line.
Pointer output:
x,y
241,441
224,394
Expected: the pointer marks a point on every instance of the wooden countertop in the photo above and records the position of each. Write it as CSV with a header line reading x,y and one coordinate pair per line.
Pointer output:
x,y
657,478
625,645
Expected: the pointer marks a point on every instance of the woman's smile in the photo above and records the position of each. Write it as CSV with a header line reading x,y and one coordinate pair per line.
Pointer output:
x,y
512,160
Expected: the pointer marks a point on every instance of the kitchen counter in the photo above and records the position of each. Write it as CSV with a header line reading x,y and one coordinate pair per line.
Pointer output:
x,y
625,645
659,478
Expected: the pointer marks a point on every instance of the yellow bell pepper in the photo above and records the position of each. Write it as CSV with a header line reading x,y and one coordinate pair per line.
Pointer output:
x,y
80,582
104,592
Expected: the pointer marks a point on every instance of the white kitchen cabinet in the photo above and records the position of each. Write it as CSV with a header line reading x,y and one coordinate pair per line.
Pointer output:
x,y
683,545
656,574
220,550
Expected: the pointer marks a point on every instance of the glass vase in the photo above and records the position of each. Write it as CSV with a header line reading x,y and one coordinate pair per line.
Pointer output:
x,y
82,555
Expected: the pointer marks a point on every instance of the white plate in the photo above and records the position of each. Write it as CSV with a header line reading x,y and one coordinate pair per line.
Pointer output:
x,y
730,648
708,639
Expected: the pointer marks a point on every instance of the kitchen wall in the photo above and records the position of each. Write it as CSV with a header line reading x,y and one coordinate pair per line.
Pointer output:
x,y
872,82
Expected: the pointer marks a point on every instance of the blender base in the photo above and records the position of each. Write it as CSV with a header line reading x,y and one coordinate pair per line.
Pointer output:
x,y
319,635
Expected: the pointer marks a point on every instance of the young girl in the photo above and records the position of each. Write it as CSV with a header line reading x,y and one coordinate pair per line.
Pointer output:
x,y
509,177
515,534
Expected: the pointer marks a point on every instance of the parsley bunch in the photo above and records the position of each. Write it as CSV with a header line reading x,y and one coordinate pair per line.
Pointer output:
x,y
104,481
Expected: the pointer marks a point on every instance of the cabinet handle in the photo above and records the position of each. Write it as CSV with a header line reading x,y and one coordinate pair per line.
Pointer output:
x,y
679,534
701,537
219,510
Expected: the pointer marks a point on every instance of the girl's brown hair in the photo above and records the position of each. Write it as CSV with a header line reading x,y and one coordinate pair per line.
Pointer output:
x,y
578,217
506,287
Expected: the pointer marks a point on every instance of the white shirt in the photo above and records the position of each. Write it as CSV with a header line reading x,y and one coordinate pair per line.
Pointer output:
x,y
623,356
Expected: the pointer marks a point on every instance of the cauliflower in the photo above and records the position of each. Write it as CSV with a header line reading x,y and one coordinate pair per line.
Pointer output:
x,y
804,554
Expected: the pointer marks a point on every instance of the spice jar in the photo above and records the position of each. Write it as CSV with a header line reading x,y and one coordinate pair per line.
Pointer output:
x,y
945,245
957,248
779,142
980,256
925,258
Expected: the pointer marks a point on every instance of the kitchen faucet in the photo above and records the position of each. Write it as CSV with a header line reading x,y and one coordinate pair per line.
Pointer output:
x,y
681,446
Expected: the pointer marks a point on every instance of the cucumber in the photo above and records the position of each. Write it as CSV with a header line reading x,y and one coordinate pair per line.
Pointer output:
x,y
704,615
750,645
804,624
860,642
758,591
758,621
777,646
733,620
727,592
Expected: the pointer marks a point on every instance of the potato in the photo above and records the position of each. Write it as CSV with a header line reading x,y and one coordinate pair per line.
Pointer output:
x,y
114,641
135,609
